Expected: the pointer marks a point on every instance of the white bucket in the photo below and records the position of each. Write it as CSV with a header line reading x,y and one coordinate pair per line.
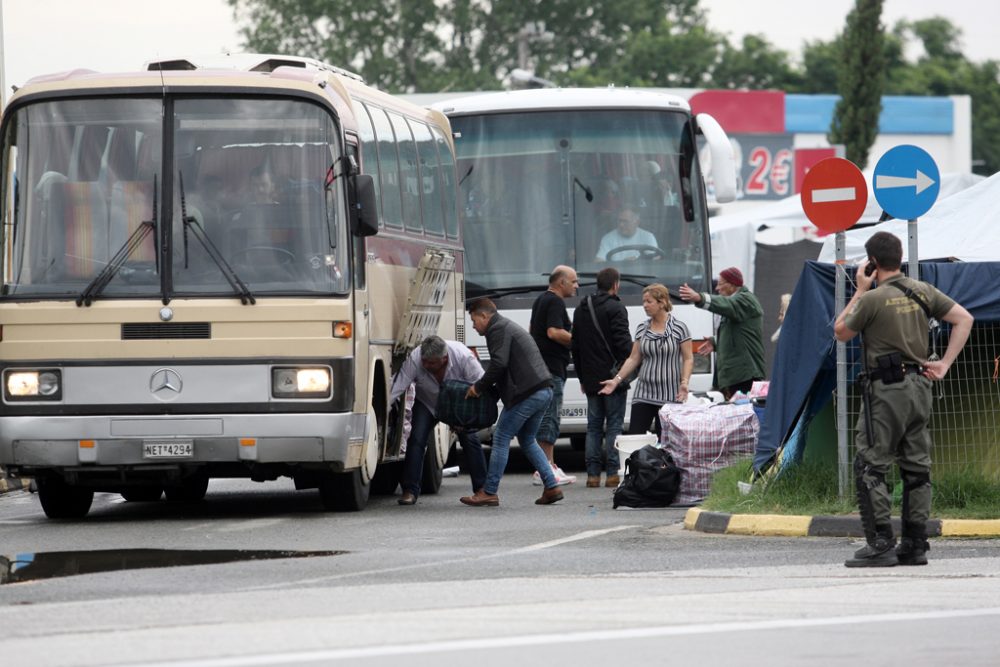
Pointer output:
x,y
626,444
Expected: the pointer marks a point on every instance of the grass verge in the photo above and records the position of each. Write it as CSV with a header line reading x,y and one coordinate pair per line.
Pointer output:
x,y
811,489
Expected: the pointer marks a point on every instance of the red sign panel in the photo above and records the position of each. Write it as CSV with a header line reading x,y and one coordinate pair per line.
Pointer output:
x,y
834,195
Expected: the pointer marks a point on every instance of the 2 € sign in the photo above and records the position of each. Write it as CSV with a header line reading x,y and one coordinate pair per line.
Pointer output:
x,y
906,182
834,194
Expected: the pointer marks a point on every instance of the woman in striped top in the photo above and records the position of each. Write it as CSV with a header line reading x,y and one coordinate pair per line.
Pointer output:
x,y
663,354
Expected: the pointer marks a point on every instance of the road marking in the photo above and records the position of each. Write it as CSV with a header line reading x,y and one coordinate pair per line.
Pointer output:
x,y
518,641
585,535
828,195
416,566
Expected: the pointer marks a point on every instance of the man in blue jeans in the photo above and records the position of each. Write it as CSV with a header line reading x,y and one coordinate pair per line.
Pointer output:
x,y
595,352
435,361
525,386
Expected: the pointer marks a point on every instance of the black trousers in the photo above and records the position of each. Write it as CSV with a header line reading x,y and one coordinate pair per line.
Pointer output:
x,y
641,416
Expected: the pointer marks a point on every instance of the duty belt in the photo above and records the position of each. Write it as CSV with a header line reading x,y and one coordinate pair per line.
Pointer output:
x,y
908,369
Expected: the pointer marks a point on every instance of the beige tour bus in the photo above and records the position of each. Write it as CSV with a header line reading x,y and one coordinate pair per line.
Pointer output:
x,y
210,269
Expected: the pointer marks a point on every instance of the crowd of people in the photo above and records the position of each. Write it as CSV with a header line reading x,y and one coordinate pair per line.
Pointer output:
x,y
527,370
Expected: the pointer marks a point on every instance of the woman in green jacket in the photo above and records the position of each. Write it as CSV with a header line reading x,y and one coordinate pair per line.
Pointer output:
x,y
739,346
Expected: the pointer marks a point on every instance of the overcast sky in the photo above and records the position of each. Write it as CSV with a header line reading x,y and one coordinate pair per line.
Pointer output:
x,y
43,36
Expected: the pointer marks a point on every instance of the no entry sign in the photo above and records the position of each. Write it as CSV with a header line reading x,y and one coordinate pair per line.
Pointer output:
x,y
834,195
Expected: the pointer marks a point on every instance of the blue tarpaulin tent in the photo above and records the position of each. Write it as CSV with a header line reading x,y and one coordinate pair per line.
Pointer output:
x,y
804,374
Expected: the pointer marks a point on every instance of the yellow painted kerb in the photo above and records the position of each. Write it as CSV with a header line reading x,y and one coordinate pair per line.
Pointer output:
x,y
970,527
768,524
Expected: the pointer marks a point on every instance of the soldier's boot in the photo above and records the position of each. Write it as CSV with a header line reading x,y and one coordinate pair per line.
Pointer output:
x,y
878,550
913,545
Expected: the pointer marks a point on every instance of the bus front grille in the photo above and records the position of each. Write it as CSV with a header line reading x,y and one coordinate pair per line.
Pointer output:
x,y
163,330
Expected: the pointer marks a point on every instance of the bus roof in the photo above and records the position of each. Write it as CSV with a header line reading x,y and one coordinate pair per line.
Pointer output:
x,y
539,99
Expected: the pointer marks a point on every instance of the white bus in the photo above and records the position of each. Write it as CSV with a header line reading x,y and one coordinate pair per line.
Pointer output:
x,y
209,270
543,175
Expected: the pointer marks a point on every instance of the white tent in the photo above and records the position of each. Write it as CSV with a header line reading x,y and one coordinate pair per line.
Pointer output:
x,y
734,234
965,226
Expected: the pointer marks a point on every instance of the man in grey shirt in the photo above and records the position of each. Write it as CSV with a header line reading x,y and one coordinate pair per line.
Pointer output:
x,y
435,361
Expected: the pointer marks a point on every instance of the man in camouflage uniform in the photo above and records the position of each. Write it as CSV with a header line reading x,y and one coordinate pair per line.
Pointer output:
x,y
893,319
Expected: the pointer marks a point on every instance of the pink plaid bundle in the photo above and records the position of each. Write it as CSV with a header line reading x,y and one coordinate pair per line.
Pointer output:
x,y
703,439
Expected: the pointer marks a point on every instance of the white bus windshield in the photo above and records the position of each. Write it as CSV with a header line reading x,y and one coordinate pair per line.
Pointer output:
x,y
587,188
96,182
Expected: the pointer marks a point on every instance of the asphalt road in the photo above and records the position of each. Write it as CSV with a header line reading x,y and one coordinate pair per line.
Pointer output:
x,y
444,584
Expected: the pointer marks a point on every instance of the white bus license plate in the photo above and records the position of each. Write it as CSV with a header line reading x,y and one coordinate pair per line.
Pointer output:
x,y
175,449
573,412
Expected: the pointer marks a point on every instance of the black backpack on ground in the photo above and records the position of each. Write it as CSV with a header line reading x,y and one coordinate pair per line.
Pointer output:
x,y
651,479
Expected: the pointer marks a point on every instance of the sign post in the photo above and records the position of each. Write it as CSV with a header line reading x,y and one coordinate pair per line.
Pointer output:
x,y
906,183
834,196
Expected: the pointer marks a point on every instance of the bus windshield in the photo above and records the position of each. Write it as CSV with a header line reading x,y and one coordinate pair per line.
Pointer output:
x,y
586,188
236,187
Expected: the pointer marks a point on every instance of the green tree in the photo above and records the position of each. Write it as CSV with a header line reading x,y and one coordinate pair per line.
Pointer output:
x,y
757,64
860,82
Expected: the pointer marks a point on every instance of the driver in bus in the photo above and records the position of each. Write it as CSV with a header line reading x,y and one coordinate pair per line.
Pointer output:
x,y
627,233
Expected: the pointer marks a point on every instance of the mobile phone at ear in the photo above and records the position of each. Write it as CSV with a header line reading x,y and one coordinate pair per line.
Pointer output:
x,y
869,268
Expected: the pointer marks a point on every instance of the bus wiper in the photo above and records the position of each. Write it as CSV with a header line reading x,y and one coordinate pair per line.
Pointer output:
x,y
587,192
482,292
111,269
189,222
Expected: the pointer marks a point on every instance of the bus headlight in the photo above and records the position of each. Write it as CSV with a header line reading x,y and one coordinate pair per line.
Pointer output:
x,y
37,385
300,382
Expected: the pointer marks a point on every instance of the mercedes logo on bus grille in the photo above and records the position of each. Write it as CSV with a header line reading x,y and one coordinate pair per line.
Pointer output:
x,y
165,384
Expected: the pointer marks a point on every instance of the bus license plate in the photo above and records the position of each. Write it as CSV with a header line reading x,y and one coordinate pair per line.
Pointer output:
x,y
573,412
175,449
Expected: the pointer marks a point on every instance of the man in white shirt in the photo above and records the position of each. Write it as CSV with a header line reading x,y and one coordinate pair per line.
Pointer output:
x,y
627,233
435,361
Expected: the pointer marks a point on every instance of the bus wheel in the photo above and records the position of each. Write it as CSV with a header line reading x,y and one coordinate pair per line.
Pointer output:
x,y
344,492
63,501
190,490
386,479
142,494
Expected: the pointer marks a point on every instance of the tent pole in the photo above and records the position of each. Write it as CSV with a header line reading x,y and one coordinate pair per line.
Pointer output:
x,y
840,297
913,259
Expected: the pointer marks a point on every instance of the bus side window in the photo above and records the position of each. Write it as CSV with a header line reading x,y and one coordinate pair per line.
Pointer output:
x,y
408,173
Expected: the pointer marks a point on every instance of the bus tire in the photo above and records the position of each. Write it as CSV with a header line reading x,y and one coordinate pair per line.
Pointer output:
x,y
142,494
430,480
191,489
63,501
344,492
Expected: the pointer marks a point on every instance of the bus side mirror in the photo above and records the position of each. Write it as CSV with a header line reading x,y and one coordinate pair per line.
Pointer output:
x,y
723,162
364,206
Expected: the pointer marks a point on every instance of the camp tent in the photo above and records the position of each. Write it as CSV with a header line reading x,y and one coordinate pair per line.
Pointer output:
x,y
804,372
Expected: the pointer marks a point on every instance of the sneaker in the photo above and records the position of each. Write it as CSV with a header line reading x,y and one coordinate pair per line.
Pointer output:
x,y
561,477
880,554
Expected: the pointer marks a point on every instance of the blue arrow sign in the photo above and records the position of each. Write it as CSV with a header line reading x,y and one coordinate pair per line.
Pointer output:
x,y
906,182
